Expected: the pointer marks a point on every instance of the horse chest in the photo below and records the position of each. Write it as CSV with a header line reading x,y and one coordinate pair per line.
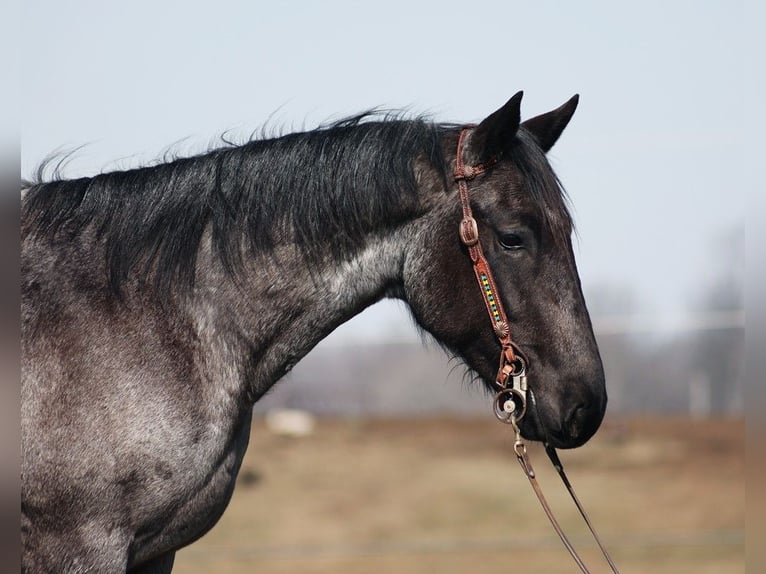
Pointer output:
x,y
201,506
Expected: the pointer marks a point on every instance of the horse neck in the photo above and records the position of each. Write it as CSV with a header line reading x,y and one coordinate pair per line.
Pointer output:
x,y
258,324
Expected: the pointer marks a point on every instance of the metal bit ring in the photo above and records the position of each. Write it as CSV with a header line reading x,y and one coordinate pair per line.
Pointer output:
x,y
503,402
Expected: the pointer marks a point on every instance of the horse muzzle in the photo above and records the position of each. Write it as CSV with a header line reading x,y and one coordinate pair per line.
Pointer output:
x,y
568,424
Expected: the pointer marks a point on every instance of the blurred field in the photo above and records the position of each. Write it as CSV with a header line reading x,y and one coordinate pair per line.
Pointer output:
x,y
447,496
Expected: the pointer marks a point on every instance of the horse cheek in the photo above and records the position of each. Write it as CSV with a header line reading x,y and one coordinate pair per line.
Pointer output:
x,y
441,291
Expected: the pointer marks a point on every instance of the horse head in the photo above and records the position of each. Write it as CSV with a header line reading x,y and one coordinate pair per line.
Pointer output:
x,y
525,231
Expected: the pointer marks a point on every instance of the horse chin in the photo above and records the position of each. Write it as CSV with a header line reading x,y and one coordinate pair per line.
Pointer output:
x,y
561,441
530,430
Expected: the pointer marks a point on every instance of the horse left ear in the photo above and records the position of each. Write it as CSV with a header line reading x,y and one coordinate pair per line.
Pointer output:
x,y
497,131
546,128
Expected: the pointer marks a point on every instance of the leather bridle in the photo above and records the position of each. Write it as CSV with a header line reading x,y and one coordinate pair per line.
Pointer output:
x,y
511,399
510,404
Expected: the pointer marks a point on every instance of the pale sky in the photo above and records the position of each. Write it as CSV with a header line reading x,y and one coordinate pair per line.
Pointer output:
x,y
651,160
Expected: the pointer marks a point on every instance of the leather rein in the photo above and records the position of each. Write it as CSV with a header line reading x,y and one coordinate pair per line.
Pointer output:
x,y
510,404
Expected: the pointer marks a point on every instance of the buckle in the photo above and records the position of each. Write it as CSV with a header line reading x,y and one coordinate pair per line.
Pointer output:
x,y
469,231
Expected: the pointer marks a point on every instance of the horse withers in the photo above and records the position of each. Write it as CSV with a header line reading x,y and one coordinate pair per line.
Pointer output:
x,y
159,303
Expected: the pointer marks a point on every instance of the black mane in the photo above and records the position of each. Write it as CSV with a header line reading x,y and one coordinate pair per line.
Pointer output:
x,y
336,183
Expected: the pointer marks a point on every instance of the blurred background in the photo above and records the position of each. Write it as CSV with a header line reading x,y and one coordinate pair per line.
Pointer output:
x,y
374,454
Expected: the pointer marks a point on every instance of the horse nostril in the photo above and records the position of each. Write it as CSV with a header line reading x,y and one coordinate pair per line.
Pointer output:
x,y
576,424
578,419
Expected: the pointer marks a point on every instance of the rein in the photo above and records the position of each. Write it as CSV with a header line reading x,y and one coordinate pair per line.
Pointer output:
x,y
510,404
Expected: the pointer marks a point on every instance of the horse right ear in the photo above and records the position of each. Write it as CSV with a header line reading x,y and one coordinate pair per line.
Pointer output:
x,y
546,128
496,133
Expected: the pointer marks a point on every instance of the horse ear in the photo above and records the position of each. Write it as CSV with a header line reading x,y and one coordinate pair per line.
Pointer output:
x,y
546,128
497,131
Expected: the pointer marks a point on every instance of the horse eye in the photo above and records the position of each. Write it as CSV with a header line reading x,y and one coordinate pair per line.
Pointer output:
x,y
512,241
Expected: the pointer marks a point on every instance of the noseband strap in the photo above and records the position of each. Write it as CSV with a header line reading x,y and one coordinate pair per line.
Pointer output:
x,y
510,403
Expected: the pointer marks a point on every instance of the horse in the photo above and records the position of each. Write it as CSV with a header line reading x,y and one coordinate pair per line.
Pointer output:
x,y
160,303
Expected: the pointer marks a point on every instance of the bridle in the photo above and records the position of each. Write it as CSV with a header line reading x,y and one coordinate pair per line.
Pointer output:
x,y
510,404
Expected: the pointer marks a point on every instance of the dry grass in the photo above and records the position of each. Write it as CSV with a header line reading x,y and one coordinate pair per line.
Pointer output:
x,y
447,495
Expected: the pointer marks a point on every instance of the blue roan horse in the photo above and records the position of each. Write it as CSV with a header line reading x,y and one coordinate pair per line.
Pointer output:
x,y
160,303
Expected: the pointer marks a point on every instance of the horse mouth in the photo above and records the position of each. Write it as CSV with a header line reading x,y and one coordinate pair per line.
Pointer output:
x,y
531,425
